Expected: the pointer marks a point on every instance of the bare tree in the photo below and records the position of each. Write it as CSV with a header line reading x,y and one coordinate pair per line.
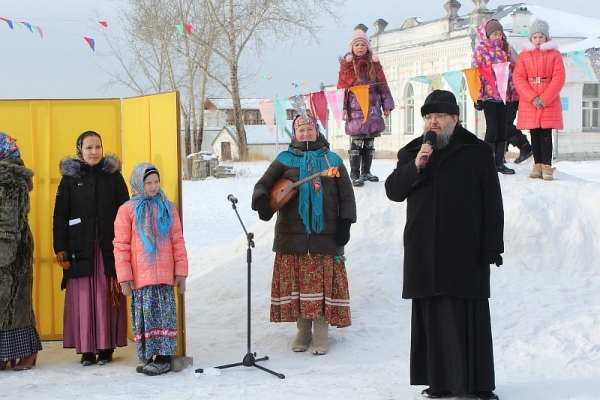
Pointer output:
x,y
244,24
153,58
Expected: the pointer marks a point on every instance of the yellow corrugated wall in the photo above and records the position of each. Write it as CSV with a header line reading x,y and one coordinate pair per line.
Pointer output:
x,y
137,129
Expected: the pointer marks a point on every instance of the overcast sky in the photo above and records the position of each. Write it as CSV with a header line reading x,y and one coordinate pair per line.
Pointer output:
x,y
61,65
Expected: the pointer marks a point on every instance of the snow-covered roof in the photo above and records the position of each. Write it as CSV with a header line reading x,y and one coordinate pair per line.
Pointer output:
x,y
562,24
260,134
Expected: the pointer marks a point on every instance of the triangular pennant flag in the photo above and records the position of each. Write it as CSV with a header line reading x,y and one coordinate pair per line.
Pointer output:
x,y
267,110
28,25
179,29
188,29
501,72
487,73
91,42
421,79
335,98
281,114
473,82
436,81
39,31
299,103
318,106
362,95
103,23
454,79
9,22
593,55
579,58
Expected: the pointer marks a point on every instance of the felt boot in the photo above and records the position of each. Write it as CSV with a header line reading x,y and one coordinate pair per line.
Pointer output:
x,y
321,343
304,335
536,172
367,160
547,172
355,158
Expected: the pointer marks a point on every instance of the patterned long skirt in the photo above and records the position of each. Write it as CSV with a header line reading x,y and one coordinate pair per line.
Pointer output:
x,y
19,343
310,286
154,321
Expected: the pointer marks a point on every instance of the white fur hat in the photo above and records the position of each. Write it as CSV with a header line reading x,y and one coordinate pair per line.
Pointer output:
x,y
539,26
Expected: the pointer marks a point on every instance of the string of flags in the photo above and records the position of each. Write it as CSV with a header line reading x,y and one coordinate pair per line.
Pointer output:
x,y
274,111
38,29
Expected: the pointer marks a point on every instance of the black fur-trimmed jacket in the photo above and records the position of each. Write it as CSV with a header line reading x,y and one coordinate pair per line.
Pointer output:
x,y
16,248
87,199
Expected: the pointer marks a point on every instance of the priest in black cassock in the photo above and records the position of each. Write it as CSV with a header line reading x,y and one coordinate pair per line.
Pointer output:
x,y
453,233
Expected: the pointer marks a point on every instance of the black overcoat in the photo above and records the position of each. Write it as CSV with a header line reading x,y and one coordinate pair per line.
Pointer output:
x,y
454,212
87,199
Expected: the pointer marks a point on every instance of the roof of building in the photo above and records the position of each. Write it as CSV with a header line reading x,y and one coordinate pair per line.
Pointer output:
x,y
259,134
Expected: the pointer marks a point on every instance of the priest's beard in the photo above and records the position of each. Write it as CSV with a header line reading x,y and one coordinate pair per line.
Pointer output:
x,y
444,138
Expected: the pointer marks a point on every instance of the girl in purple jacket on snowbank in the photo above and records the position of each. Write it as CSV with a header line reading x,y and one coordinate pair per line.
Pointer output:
x,y
361,67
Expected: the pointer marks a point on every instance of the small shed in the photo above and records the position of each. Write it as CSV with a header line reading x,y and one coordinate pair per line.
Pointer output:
x,y
262,144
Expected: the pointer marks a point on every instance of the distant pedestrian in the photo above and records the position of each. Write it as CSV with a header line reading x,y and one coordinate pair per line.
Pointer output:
x,y
489,51
539,77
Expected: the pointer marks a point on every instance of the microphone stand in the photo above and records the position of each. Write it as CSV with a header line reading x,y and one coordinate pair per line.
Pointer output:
x,y
249,359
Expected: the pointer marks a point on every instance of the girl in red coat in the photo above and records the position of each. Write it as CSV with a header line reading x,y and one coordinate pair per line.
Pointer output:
x,y
539,77
361,67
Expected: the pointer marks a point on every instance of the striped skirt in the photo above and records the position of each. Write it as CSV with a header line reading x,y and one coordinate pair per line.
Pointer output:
x,y
310,286
154,321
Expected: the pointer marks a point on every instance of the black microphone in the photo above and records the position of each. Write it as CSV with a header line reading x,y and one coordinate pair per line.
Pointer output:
x,y
429,138
232,199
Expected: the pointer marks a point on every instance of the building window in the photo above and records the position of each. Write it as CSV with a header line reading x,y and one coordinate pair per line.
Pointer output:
x,y
409,110
590,108
462,101
388,124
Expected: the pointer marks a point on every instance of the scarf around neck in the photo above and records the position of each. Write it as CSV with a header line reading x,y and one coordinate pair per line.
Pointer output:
x,y
310,194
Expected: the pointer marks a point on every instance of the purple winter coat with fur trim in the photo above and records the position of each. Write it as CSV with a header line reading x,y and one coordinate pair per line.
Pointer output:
x,y
380,97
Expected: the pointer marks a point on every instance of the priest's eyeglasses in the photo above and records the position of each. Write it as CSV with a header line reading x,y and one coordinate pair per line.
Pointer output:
x,y
436,116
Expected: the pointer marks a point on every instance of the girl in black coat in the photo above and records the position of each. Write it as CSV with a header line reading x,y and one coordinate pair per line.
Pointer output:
x,y
88,196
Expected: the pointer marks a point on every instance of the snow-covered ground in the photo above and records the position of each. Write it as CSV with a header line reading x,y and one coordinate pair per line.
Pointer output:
x,y
545,304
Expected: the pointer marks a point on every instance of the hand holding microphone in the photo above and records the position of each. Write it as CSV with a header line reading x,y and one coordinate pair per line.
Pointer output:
x,y
428,139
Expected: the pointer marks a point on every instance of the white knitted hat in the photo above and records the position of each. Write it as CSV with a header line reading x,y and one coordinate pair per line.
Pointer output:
x,y
539,26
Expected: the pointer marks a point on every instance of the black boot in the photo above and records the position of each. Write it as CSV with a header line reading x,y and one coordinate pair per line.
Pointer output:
x,y
500,167
367,160
525,153
355,159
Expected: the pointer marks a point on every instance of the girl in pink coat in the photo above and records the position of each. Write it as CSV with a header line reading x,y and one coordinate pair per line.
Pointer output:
x,y
539,77
150,258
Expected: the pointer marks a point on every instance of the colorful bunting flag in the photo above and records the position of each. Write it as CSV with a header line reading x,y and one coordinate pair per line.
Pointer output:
x,y
9,22
267,110
502,74
487,73
454,79
281,114
473,82
362,95
91,42
335,98
188,29
318,106
593,55
436,81
179,29
103,23
579,58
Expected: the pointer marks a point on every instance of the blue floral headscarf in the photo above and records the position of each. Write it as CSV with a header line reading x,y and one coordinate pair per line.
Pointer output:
x,y
151,228
8,147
